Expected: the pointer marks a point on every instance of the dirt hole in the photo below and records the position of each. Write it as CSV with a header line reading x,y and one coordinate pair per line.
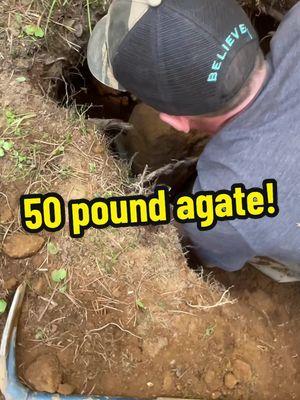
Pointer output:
x,y
78,87
265,26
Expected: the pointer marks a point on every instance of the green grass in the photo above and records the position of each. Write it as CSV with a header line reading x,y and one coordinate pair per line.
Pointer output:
x,y
14,122
89,15
52,6
67,3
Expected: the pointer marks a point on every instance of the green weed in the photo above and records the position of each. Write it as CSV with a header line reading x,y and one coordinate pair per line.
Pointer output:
x,y
34,31
21,160
5,146
40,334
14,122
66,172
3,306
209,331
21,79
52,248
140,305
59,275
92,167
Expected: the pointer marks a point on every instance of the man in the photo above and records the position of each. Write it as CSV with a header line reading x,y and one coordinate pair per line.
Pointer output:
x,y
198,63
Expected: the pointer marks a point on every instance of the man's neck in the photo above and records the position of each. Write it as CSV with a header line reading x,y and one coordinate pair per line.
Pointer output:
x,y
214,124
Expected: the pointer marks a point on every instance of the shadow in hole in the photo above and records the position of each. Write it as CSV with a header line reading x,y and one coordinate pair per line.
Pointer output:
x,y
79,87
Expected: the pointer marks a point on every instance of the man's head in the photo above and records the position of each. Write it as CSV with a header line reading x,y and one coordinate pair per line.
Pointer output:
x,y
182,57
212,122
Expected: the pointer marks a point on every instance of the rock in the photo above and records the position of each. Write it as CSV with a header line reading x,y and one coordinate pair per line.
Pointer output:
x,y
153,347
212,380
39,286
168,382
97,149
230,381
242,371
21,246
6,215
209,377
53,328
78,30
44,373
154,143
65,389
10,284
216,395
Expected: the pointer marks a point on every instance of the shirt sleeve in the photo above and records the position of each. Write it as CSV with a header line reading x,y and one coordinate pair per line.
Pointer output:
x,y
223,246
287,37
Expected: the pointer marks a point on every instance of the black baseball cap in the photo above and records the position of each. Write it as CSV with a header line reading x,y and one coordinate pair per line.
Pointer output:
x,y
182,57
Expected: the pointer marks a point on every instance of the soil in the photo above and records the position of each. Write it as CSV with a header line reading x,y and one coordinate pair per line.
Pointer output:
x,y
131,318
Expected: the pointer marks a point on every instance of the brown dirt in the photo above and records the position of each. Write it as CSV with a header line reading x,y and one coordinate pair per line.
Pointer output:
x,y
131,318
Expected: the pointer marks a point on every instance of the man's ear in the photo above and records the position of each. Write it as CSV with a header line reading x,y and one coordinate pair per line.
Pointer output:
x,y
181,124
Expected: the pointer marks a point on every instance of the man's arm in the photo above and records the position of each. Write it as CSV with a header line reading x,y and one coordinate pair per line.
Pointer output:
x,y
222,247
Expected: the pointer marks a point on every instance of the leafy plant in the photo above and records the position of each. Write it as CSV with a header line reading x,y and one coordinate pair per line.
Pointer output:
x,y
18,17
14,121
92,167
59,275
3,306
108,195
52,248
140,305
210,331
10,117
66,171
21,79
59,151
5,146
40,334
34,30
63,289
21,159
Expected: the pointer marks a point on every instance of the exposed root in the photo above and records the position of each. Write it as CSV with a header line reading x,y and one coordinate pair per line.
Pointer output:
x,y
224,300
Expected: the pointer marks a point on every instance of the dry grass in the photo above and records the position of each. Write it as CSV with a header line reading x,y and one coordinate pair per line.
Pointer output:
x,y
53,17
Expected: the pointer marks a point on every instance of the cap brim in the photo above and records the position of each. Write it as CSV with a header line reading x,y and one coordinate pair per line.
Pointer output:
x,y
97,57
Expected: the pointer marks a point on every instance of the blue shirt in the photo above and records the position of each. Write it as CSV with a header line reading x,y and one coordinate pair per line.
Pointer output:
x,y
263,142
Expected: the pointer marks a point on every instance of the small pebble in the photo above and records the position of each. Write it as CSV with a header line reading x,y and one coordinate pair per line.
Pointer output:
x,y
230,381
242,371
10,284
65,389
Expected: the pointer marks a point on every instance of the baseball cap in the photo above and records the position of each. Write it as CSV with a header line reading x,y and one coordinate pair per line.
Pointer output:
x,y
182,57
